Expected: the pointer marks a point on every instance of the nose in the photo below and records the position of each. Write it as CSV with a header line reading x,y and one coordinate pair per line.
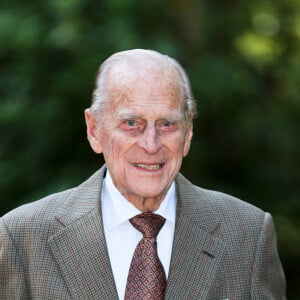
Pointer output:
x,y
150,140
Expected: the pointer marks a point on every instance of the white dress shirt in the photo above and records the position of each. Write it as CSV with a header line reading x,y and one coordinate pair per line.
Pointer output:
x,y
122,238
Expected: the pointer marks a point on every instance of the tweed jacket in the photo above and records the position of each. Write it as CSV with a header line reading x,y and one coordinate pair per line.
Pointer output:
x,y
55,248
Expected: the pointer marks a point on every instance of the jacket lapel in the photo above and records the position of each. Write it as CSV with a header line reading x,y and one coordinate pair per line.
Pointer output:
x,y
196,252
78,244
79,248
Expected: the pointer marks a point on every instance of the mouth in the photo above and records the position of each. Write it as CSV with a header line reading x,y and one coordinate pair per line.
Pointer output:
x,y
149,167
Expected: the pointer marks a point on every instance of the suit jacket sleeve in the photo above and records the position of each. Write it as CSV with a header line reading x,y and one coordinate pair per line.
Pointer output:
x,y
267,279
12,278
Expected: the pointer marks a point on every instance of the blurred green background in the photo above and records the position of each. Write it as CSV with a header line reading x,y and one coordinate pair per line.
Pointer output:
x,y
243,58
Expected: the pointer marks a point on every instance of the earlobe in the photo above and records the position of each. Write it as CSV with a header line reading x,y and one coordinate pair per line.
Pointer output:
x,y
92,131
187,142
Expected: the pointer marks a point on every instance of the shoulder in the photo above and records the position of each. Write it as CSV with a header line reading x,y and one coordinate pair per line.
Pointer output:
x,y
41,214
38,214
231,212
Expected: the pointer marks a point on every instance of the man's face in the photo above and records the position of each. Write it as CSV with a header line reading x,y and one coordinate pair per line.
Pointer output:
x,y
143,135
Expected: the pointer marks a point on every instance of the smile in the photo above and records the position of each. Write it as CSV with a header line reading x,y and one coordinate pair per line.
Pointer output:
x,y
149,167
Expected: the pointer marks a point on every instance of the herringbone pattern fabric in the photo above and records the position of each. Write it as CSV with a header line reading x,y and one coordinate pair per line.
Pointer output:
x,y
55,248
146,278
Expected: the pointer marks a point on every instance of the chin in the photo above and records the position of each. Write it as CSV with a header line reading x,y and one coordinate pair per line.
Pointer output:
x,y
149,193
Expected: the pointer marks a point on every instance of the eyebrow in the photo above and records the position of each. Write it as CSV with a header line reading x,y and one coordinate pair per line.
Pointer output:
x,y
174,117
126,114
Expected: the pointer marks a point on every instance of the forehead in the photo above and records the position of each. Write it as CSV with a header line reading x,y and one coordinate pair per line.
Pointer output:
x,y
147,91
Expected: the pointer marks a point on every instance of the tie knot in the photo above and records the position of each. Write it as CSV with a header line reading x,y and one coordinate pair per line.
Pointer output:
x,y
148,224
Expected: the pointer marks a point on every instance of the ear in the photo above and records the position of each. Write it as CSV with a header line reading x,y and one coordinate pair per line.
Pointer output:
x,y
188,140
93,131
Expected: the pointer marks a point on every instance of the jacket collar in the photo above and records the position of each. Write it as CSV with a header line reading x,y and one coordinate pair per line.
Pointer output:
x,y
79,248
78,243
196,252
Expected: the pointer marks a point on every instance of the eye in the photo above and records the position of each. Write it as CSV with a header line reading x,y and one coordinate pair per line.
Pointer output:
x,y
131,123
167,124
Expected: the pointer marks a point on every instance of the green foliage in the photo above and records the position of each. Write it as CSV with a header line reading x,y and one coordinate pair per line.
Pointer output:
x,y
244,62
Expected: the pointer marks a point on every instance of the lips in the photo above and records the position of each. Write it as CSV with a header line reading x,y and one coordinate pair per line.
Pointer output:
x,y
150,167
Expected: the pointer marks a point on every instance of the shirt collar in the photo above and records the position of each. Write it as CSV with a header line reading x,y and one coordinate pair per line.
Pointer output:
x,y
118,210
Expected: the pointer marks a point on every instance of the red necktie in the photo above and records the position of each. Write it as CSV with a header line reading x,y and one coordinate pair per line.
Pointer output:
x,y
146,278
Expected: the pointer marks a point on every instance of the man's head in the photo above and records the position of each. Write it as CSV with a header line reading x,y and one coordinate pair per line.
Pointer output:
x,y
141,120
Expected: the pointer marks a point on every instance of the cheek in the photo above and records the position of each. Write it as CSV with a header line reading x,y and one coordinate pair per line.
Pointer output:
x,y
114,147
176,149
179,146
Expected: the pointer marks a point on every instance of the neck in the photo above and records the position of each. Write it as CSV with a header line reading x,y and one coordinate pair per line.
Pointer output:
x,y
145,204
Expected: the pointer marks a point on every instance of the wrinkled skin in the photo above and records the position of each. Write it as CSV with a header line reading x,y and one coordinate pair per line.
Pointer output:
x,y
143,134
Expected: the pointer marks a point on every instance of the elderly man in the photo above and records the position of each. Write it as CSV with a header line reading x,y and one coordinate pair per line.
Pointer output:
x,y
137,229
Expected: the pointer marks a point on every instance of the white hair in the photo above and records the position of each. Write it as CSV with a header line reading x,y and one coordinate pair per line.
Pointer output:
x,y
138,58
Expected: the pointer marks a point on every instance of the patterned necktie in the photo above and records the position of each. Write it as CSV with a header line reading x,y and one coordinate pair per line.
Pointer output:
x,y
146,278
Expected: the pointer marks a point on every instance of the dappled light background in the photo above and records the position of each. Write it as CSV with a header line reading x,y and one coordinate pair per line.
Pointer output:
x,y
243,58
